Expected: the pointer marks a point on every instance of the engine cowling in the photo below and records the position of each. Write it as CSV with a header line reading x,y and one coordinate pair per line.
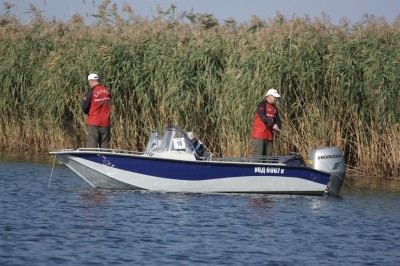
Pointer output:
x,y
330,160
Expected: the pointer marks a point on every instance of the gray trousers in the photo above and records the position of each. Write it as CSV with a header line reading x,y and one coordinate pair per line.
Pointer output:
x,y
98,137
262,147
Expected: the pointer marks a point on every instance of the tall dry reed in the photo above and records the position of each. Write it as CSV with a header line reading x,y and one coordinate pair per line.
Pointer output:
x,y
340,85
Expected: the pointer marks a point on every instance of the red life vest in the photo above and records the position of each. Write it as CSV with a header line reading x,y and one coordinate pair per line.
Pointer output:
x,y
100,109
260,129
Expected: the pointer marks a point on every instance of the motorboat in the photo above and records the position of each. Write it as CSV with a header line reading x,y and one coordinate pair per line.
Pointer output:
x,y
170,163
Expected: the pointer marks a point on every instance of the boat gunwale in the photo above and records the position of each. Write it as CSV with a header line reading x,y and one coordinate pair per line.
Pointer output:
x,y
143,155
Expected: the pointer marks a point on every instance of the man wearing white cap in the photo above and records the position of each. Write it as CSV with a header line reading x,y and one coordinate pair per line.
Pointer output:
x,y
96,104
266,122
197,144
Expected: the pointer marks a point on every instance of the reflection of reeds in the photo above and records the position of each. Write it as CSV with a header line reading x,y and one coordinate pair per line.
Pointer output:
x,y
339,85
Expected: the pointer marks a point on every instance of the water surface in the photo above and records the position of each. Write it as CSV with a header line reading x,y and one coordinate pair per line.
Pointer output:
x,y
70,223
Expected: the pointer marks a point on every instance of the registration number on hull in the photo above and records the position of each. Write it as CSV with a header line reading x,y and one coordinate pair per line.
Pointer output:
x,y
269,170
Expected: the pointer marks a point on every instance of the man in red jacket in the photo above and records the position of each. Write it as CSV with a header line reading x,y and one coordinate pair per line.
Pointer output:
x,y
96,104
266,122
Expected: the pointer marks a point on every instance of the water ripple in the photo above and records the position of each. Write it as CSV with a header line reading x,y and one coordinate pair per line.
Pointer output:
x,y
72,224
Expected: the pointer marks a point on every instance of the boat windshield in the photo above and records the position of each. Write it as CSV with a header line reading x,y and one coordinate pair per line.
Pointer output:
x,y
172,139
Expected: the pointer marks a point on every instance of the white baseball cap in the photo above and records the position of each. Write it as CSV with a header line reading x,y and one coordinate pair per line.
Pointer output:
x,y
273,92
191,135
93,77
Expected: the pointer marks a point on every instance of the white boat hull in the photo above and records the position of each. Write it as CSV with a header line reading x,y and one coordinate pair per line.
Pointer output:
x,y
108,176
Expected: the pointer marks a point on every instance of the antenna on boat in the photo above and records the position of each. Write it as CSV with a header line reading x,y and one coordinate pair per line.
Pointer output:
x,y
52,169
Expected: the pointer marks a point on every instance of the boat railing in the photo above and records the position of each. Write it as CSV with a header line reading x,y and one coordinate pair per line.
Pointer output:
x,y
284,160
118,151
294,160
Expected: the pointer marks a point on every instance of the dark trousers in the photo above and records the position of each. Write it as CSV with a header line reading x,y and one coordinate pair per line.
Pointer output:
x,y
262,147
98,137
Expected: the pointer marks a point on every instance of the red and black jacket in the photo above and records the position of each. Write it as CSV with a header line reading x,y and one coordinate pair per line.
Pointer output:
x,y
96,104
266,116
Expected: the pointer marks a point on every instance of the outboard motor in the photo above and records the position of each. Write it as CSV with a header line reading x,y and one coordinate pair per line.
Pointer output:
x,y
330,160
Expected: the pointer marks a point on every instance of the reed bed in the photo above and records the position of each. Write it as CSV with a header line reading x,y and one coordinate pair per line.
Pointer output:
x,y
340,84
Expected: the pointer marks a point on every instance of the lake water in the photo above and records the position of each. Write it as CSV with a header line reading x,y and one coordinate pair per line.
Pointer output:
x,y
70,223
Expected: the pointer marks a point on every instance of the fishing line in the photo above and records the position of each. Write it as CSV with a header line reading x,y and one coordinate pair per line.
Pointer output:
x,y
52,169
284,135
148,130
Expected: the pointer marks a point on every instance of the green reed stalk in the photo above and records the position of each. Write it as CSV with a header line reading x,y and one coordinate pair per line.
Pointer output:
x,y
339,85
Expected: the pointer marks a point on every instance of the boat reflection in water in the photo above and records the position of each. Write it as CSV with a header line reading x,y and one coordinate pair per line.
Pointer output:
x,y
93,198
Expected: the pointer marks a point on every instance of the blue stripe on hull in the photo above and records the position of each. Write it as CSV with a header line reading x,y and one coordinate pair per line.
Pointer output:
x,y
200,170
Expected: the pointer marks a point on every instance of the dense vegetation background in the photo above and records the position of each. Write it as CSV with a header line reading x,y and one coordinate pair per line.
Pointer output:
x,y
340,83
